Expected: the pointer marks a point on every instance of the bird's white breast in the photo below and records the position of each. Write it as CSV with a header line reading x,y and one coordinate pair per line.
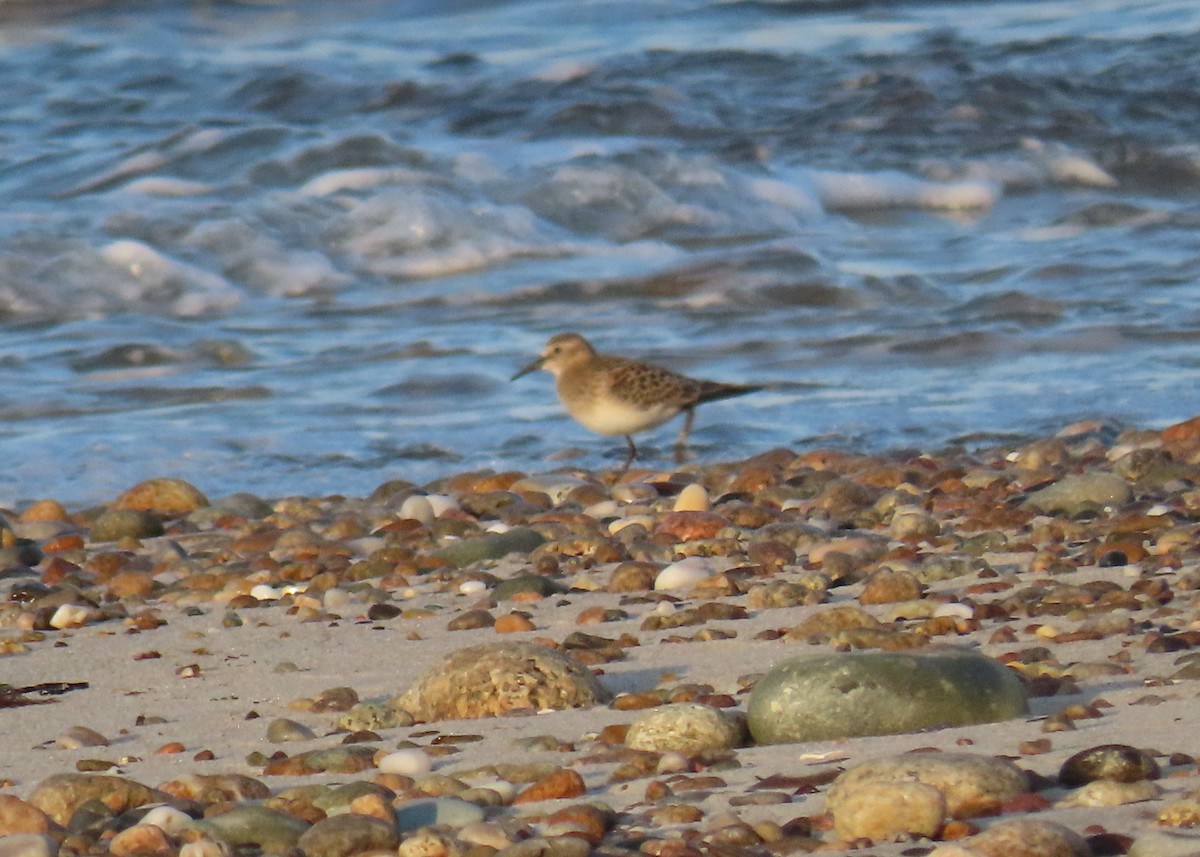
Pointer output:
x,y
612,416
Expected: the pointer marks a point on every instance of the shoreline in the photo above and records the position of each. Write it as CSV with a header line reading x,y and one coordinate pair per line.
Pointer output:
x,y
195,641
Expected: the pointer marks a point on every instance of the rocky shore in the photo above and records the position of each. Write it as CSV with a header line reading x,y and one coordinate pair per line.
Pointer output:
x,y
951,653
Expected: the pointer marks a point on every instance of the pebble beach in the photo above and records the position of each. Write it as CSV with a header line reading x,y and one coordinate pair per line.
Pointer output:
x,y
577,663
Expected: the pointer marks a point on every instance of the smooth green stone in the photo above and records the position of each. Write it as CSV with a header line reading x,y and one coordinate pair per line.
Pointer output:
x,y
1082,492
268,829
337,799
494,546
342,835
822,697
282,730
243,504
506,590
118,524
336,760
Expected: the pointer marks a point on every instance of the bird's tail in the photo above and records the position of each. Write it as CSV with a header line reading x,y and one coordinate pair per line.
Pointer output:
x,y
710,391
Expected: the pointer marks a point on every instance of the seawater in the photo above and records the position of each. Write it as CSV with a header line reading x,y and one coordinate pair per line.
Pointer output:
x,y
300,247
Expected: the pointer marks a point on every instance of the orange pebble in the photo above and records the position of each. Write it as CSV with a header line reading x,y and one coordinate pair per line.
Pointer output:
x,y
512,623
562,783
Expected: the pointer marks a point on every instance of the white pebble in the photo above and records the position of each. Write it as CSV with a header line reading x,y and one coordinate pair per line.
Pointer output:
x,y
417,508
954,610
621,523
486,833
169,820
683,574
335,598
205,848
441,503
693,498
472,587
307,602
505,789
603,509
69,616
672,762
498,527
80,736
265,593
410,762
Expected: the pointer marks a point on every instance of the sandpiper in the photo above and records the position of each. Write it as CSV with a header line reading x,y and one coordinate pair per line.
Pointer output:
x,y
615,395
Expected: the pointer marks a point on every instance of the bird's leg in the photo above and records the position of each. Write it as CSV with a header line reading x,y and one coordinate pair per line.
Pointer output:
x,y
681,441
632,453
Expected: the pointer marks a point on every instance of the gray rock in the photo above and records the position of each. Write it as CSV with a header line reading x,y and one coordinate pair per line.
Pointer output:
x,y
338,798
28,845
821,697
340,835
281,730
117,524
549,846
508,589
249,824
243,504
24,552
450,811
467,551
373,716
937,567
1082,492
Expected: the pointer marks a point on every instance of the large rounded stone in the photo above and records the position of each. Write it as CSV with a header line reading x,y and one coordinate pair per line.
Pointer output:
x,y
342,835
17,816
1024,837
490,680
820,697
61,794
492,546
884,811
1082,492
250,824
117,524
168,498
970,784
1119,762
686,727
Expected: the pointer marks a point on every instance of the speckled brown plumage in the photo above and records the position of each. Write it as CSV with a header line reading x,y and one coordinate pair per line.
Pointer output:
x,y
615,395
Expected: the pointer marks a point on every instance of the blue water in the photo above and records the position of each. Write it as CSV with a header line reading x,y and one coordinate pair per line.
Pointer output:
x,y
300,247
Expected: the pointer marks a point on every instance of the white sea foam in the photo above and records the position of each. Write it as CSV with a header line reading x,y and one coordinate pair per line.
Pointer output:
x,y
840,191
185,289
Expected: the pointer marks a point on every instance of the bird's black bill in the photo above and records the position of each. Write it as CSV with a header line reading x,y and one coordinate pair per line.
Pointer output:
x,y
532,367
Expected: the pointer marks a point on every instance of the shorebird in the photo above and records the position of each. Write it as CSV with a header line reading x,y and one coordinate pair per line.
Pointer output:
x,y
615,395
